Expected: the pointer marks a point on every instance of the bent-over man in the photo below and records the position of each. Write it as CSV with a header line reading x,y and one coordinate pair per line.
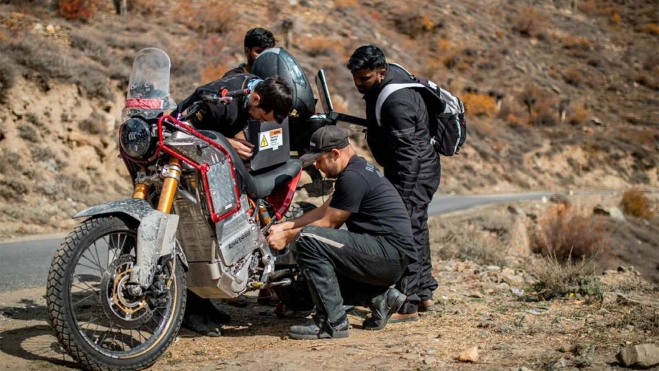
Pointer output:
x,y
357,266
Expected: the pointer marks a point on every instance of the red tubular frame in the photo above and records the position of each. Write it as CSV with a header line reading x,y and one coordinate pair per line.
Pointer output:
x,y
284,196
202,168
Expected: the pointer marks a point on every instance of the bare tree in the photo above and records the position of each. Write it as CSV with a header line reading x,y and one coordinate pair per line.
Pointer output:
x,y
121,7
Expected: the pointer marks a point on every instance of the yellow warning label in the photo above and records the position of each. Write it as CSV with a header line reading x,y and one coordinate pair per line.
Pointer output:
x,y
264,142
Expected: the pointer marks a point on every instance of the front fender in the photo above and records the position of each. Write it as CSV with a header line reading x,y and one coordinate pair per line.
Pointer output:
x,y
133,207
156,235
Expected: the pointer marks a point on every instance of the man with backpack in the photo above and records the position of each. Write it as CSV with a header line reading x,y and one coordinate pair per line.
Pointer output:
x,y
398,134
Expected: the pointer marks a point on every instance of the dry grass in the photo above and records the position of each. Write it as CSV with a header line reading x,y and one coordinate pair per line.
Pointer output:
x,y
556,279
635,203
95,124
565,234
478,104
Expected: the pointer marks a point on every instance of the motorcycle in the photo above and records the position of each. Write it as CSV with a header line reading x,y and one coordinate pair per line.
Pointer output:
x,y
197,220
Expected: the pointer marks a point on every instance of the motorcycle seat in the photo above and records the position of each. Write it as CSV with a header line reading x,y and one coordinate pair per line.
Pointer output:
x,y
261,185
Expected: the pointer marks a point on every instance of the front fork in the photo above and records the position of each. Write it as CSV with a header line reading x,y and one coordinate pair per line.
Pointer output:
x,y
172,175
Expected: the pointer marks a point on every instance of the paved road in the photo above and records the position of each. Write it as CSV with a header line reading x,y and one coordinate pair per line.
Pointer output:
x,y
24,264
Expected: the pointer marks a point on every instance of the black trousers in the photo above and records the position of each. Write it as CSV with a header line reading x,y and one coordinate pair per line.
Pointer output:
x,y
417,281
342,267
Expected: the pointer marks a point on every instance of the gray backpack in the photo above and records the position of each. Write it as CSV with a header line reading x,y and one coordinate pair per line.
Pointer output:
x,y
446,113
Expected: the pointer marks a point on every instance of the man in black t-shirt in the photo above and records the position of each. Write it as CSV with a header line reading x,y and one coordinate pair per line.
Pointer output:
x,y
356,266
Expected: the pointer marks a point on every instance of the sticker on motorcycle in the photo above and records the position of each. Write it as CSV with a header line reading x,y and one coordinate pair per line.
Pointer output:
x,y
271,139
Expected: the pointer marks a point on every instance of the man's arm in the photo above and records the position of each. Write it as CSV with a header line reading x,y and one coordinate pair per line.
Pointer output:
x,y
399,119
325,216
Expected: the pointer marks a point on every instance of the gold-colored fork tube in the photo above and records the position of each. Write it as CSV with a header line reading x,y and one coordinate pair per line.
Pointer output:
x,y
141,191
173,175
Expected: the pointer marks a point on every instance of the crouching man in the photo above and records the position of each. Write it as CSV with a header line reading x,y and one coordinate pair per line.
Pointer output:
x,y
357,266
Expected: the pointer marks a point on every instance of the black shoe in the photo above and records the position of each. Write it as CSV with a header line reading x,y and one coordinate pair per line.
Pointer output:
x,y
202,325
382,307
319,328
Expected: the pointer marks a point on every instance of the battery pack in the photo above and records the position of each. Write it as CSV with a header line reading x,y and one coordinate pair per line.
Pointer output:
x,y
271,144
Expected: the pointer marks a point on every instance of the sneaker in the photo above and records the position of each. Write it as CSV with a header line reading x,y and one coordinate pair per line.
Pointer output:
x,y
382,308
404,317
426,305
201,324
317,328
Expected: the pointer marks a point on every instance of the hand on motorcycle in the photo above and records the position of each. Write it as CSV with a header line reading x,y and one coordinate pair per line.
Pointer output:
x,y
278,235
243,148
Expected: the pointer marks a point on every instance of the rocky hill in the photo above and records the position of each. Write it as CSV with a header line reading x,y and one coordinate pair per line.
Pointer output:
x,y
560,94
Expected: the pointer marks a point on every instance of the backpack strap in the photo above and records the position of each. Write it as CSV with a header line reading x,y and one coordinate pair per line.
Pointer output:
x,y
386,92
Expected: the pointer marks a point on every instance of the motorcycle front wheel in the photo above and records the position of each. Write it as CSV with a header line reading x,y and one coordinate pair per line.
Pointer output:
x,y
96,318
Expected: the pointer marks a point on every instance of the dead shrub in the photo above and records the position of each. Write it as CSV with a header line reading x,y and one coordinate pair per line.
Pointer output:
x,y
478,104
320,45
95,124
544,116
77,9
8,75
529,21
565,234
556,279
579,116
574,76
576,43
647,80
635,203
414,24
651,28
206,16
28,133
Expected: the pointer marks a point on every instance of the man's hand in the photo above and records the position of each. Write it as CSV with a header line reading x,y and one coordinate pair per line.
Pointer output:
x,y
242,147
278,240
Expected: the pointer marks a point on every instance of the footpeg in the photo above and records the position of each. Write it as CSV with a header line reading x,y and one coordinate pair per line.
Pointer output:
x,y
263,285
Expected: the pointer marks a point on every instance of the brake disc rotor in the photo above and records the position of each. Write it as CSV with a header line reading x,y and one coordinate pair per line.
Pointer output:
x,y
122,308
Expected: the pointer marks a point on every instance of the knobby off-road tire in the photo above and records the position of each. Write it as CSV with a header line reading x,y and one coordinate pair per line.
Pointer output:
x,y
297,209
62,310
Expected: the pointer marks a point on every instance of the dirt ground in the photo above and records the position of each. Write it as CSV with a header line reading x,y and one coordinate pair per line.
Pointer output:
x,y
491,307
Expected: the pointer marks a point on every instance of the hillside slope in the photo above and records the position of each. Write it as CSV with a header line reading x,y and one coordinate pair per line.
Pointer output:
x,y
516,65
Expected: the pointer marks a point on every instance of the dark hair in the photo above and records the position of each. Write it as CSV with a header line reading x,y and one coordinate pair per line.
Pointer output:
x,y
276,96
367,57
259,37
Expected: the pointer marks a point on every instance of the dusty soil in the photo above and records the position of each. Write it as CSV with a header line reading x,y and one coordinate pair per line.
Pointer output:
x,y
489,306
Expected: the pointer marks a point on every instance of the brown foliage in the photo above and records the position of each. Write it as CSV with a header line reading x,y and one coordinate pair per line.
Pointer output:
x,y
77,9
578,117
414,24
635,203
477,104
574,76
565,234
651,28
320,45
206,16
529,21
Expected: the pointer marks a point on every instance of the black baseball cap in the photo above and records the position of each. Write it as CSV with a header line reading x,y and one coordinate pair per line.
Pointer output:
x,y
324,140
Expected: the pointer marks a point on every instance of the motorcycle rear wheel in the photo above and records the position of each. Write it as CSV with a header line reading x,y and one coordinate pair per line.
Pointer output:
x,y
89,307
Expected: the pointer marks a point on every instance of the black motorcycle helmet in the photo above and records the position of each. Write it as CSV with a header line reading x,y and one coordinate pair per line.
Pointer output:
x,y
279,62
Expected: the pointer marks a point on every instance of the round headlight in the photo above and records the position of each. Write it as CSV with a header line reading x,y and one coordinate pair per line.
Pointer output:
x,y
135,137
